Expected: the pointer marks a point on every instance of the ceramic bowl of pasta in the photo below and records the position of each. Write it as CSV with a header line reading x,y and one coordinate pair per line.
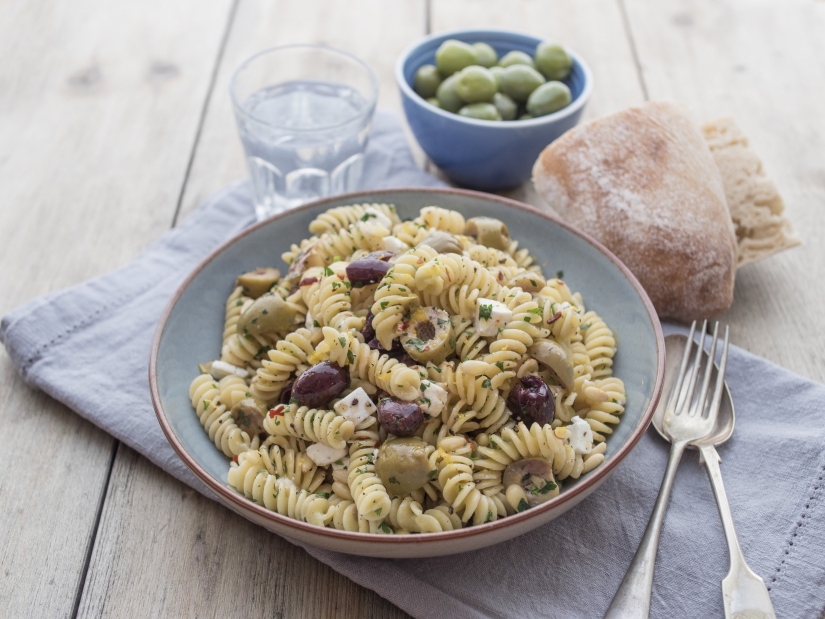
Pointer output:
x,y
407,373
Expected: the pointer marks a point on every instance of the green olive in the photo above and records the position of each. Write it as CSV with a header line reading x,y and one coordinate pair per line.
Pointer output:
x,y
434,101
535,477
518,81
402,465
443,242
257,282
516,57
486,56
525,117
476,84
249,414
428,335
548,98
488,231
480,111
268,315
447,95
426,81
497,72
453,55
506,107
553,60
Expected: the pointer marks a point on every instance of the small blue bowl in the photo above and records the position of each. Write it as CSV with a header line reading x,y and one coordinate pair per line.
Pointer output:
x,y
483,154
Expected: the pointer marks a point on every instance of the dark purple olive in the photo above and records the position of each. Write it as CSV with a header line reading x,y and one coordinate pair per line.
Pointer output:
x,y
381,254
286,394
367,271
399,417
368,331
407,360
531,401
320,384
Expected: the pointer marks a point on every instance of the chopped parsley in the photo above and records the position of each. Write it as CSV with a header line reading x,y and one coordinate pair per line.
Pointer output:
x,y
385,528
322,495
487,384
485,311
432,473
559,274
327,272
350,357
522,505
367,216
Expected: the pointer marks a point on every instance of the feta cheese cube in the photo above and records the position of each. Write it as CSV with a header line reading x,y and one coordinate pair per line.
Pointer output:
x,y
581,436
222,369
341,465
433,398
395,245
373,214
356,407
322,455
490,316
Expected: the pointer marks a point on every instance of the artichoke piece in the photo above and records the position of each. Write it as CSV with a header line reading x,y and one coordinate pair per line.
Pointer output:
x,y
249,414
535,478
443,243
488,231
428,335
268,315
554,357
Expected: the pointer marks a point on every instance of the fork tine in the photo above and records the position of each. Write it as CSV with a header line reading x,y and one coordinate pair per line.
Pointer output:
x,y
713,409
677,388
684,404
699,405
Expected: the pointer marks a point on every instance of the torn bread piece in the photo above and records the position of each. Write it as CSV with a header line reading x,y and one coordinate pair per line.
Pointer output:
x,y
756,208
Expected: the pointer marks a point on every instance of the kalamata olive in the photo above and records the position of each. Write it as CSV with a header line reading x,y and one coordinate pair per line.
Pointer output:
x,y
535,477
407,360
249,415
399,417
367,270
320,384
531,401
368,331
381,254
257,282
286,394
402,465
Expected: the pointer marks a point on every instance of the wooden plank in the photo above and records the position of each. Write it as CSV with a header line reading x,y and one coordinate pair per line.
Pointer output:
x,y
237,566
375,31
163,550
99,107
762,63
592,28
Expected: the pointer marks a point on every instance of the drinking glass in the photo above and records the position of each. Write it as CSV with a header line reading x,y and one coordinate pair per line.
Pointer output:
x,y
304,114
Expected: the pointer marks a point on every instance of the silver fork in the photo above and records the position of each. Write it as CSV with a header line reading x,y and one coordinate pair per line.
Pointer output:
x,y
687,419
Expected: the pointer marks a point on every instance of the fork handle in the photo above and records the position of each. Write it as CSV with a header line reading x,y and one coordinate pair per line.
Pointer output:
x,y
744,594
632,600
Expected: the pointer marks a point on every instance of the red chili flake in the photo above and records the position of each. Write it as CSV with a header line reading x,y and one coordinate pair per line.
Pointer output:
x,y
278,410
500,276
341,276
554,318
377,444
473,446
235,458
308,281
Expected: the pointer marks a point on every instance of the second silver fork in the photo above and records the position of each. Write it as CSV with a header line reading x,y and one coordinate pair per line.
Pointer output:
x,y
687,419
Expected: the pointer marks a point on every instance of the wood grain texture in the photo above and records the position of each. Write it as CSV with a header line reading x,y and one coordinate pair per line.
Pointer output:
x,y
374,30
760,62
163,550
99,105
593,28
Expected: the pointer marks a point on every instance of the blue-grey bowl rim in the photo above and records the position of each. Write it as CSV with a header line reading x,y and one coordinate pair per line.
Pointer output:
x,y
574,106
243,504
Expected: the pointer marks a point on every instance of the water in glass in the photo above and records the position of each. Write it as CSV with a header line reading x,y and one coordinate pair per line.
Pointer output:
x,y
303,140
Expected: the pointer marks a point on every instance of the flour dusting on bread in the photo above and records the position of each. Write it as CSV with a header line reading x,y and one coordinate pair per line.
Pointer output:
x,y
644,183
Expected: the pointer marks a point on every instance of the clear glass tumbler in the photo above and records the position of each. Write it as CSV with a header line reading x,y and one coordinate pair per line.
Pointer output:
x,y
304,114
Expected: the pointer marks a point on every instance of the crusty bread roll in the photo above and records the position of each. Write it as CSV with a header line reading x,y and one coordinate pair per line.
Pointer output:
x,y
644,182
756,208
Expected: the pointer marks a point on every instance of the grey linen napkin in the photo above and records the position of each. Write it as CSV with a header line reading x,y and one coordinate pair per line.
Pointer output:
x,y
88,347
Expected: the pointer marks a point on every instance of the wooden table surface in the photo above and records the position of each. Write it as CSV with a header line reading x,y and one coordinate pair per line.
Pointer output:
x,y
115,123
